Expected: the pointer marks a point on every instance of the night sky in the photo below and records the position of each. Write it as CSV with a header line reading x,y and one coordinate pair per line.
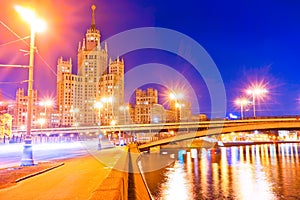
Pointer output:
x,y
251,42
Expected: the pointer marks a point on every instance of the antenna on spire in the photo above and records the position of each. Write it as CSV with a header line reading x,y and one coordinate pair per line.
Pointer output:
x,y
93,26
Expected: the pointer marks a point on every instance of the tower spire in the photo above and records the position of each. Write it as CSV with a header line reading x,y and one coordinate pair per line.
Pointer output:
x,y
93,26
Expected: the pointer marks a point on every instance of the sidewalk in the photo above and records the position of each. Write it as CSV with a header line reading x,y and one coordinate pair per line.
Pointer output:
x,y
76,179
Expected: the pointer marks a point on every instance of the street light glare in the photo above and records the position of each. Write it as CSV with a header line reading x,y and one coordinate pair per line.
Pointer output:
x,y
257,91
242,101
172,96
39,25
27,14
98,105
46,103
175,96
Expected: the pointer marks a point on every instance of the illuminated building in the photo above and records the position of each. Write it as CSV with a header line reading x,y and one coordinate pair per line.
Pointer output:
x,y
180,110
144,101
77,94
111,92
67,85
19,120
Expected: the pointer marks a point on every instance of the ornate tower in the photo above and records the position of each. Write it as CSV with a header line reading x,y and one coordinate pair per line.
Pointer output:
x,y
92,63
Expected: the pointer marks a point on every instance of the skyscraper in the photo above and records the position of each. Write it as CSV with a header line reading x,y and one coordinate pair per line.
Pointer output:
x,y
68,85
111,92
95,81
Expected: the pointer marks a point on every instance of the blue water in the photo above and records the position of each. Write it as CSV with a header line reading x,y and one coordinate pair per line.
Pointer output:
x,y
247,172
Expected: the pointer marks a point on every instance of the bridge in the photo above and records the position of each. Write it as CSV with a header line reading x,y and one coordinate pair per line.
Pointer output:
x,y
229,127
182,131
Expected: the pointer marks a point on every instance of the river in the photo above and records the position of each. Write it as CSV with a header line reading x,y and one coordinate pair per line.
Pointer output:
x,y
268,171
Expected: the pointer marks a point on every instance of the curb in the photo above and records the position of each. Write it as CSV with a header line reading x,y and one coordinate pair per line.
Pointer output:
x,y
37,173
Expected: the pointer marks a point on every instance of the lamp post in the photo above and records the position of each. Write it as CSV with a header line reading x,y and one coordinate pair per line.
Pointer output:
x,y
241,102
107,100
113,123
46,103
256,92
176,98
124,109
35,24
99,105
179,105
41,121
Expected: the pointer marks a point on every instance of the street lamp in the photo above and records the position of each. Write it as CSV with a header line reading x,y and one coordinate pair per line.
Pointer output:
x,y
41,121
46,103
179,105
36,25
176,97
241,102
256,92
107,100
124,109
99,105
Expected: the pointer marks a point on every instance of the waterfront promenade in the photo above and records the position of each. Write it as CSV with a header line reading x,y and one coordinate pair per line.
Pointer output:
x,y
76,179
98,175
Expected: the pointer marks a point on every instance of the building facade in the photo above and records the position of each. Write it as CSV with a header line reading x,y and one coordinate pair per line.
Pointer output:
x,y
21,106
111,93
96,82
180,110
144,100
68,85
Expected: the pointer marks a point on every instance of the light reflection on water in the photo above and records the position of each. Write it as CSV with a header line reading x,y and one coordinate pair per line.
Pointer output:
x,y
265,172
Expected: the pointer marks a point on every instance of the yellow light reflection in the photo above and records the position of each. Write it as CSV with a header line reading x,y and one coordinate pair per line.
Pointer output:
x,y
204,172
177,187
296,153
252,184
224,171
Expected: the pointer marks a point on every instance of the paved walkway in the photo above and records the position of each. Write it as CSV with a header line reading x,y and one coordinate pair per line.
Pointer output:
x,y
77,179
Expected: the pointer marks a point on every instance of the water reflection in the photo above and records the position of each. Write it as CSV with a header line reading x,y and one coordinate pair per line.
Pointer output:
x,y
270,171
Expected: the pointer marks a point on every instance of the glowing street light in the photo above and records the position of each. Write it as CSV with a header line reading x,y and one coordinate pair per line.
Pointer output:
x,y
176,97
41,121
256,92
124,109
99,105
46,103
113,122
107,100
242,102
36,25
179,106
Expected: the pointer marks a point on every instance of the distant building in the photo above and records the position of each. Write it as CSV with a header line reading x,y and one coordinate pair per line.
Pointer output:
x,y
20,114
5,125
157,114
180,110
144,100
